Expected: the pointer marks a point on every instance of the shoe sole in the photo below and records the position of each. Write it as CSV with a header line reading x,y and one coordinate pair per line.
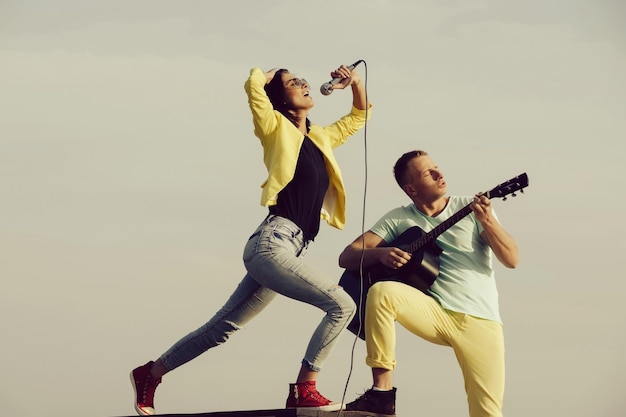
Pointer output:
x,y
329,407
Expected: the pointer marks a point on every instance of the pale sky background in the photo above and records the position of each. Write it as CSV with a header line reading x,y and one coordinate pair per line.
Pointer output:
x,y
130,181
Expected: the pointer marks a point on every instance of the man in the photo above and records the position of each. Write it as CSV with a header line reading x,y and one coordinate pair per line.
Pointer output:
x,y
459,310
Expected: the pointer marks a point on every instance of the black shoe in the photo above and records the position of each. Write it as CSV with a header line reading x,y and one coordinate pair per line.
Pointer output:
x,y
379,402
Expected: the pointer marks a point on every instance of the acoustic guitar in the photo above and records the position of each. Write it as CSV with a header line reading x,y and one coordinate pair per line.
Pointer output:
x,y
423,268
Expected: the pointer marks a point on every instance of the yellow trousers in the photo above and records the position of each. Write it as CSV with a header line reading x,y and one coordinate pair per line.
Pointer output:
x,y
478,344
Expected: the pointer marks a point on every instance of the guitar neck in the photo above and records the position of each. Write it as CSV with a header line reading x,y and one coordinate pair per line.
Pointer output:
x,y
500,191
426,238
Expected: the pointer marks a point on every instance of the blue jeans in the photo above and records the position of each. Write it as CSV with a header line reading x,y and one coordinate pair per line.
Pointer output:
x,y
273,257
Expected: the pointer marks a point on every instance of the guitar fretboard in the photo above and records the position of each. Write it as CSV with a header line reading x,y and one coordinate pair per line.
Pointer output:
x,y
500,191
426,238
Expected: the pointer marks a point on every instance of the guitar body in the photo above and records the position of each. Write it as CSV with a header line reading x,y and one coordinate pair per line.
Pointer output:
x,y
420,272
350,281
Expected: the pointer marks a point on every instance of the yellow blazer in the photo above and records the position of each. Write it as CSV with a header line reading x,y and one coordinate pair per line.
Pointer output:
x,y
281,142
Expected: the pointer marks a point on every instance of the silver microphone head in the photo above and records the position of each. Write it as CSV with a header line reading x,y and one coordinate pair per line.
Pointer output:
x,y
326,88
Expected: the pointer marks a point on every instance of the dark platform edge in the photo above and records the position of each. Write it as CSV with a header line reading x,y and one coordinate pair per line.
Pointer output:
x,y
281,412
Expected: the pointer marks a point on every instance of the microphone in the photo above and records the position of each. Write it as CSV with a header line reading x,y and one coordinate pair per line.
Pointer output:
x,y
327,88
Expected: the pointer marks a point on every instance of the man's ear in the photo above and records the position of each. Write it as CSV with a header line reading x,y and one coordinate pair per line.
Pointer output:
x,y
409,190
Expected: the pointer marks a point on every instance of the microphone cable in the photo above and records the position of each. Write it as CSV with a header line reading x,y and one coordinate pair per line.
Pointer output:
x,y
360,305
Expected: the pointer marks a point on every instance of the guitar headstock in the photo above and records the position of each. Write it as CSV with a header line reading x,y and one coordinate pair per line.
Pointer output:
x,y
509,187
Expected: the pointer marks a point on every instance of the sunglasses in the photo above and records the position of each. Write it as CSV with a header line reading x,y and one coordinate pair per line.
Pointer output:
x,y
297,83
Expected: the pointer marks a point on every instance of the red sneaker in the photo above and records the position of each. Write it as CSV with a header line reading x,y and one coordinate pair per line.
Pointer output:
x,y
144,386
305,395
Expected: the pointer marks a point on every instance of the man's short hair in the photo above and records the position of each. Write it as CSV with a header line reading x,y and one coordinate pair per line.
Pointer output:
x,y
400,168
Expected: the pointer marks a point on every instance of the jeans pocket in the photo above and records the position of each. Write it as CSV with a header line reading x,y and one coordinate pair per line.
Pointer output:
x,y
249,249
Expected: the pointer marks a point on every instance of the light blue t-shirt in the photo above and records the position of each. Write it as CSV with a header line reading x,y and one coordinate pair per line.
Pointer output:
x,y
466,282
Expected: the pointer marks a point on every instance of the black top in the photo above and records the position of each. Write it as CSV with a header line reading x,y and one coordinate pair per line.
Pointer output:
x,y
301,200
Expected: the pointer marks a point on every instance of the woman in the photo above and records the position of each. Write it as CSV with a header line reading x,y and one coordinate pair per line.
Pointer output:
x,y
303,186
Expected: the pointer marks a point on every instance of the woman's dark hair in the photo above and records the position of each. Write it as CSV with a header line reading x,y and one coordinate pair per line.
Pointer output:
x,y
275,91
400,168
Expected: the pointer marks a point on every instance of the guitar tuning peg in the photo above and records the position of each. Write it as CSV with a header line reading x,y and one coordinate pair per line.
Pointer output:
x,y
504,198
522,191
514,195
